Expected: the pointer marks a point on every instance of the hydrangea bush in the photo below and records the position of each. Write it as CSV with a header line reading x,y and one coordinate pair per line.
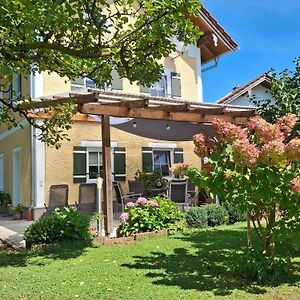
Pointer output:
x,y
148,215
256,168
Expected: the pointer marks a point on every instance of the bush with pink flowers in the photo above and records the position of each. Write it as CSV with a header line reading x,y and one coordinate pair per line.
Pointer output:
x,y
148,215
257,168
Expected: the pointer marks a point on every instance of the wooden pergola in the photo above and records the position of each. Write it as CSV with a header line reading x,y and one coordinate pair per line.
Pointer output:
x,y
117,104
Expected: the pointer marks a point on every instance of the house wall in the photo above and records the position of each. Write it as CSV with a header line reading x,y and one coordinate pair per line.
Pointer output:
x,y
59,163
8,141
179,63
260,93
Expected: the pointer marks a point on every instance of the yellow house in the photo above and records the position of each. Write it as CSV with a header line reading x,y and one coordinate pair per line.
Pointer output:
x,y
28,168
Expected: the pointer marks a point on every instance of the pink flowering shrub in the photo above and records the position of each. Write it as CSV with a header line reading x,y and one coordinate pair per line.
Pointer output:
x,y
124,217
148,215
141,201
295,185
257,168
292,150
179,169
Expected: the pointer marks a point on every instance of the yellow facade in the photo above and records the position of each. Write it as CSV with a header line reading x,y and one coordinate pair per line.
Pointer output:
x,y
59,163
19,138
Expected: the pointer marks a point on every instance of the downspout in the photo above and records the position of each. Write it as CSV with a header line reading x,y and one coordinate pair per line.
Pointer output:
x,y
215,65
32,151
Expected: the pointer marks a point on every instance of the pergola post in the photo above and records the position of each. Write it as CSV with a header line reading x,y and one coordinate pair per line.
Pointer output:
x,y
107,183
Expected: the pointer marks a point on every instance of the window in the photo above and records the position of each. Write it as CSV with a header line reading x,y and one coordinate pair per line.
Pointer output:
x,y
88,162
84,82
161,156
94,164
168,86
15,88
162,161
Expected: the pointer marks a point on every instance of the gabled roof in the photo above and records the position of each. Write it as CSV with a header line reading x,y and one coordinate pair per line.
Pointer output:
x,y
215,41
263,79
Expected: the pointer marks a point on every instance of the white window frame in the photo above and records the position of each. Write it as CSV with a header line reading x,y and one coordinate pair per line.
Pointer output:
x,y
167,73
97,149
1,172
171,151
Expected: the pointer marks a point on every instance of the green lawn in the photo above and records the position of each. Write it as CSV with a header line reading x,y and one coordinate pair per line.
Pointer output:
x,y
193,265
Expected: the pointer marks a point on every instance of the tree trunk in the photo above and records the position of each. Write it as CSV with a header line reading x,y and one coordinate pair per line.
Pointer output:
x,y
248,231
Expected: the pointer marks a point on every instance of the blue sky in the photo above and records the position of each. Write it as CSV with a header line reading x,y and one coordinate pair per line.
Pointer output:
x,y
268,34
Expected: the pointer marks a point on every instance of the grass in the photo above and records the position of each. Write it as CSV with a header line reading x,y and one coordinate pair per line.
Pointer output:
x,y
191,265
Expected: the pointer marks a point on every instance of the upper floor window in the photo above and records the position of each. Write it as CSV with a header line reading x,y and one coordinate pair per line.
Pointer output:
x,y
15,88
168,86
84,82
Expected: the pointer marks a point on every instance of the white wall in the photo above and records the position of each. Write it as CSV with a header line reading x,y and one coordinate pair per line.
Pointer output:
x,y
260,93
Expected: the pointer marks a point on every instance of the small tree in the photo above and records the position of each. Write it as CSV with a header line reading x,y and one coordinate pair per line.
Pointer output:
x,y
285,92
84,38
257,169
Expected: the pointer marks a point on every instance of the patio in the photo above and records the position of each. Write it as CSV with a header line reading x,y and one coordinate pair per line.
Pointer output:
x,y
127,106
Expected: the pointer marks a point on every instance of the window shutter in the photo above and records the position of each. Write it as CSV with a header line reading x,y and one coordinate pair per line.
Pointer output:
x,y
175,85
117,81
79,164
120,164
147,159
178,155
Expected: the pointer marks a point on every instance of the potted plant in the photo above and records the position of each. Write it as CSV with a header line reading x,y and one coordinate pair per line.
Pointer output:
x,y
17,212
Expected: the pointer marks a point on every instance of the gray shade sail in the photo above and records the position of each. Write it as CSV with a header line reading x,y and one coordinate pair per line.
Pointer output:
x,y
164,130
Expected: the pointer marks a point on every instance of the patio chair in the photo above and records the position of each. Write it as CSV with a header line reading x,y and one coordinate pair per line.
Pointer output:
x,y
123,199
178,193
87,201
137,187
58,197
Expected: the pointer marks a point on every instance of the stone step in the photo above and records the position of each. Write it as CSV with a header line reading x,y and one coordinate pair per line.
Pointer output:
x,y
12,238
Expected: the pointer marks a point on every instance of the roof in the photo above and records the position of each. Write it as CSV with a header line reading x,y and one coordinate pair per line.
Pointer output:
x,y
263,79
215,41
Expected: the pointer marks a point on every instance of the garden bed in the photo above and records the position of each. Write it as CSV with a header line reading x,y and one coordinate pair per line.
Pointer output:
x,y
106,241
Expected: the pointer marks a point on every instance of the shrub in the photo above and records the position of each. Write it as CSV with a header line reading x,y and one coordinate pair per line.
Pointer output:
x,y
216,215
197,217
254,266
5,201
142,216
59,225
234,214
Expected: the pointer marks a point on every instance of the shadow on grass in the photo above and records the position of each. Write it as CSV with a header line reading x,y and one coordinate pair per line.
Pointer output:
x,y
37,256
204,266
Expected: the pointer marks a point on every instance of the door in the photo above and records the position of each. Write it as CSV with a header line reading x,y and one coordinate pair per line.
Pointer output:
x,y
16,180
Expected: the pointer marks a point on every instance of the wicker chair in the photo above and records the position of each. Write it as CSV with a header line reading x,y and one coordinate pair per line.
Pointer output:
x,y
58,197
178,193
122,198
136,187
87,201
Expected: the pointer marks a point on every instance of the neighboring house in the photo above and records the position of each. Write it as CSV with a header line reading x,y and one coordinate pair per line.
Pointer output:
x,y
258,88
28,168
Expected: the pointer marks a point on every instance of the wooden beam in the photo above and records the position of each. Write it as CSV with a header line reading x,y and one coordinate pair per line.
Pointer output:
x,y
249,113
129,103
171,107
145,113
46,102
107,184
208,111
